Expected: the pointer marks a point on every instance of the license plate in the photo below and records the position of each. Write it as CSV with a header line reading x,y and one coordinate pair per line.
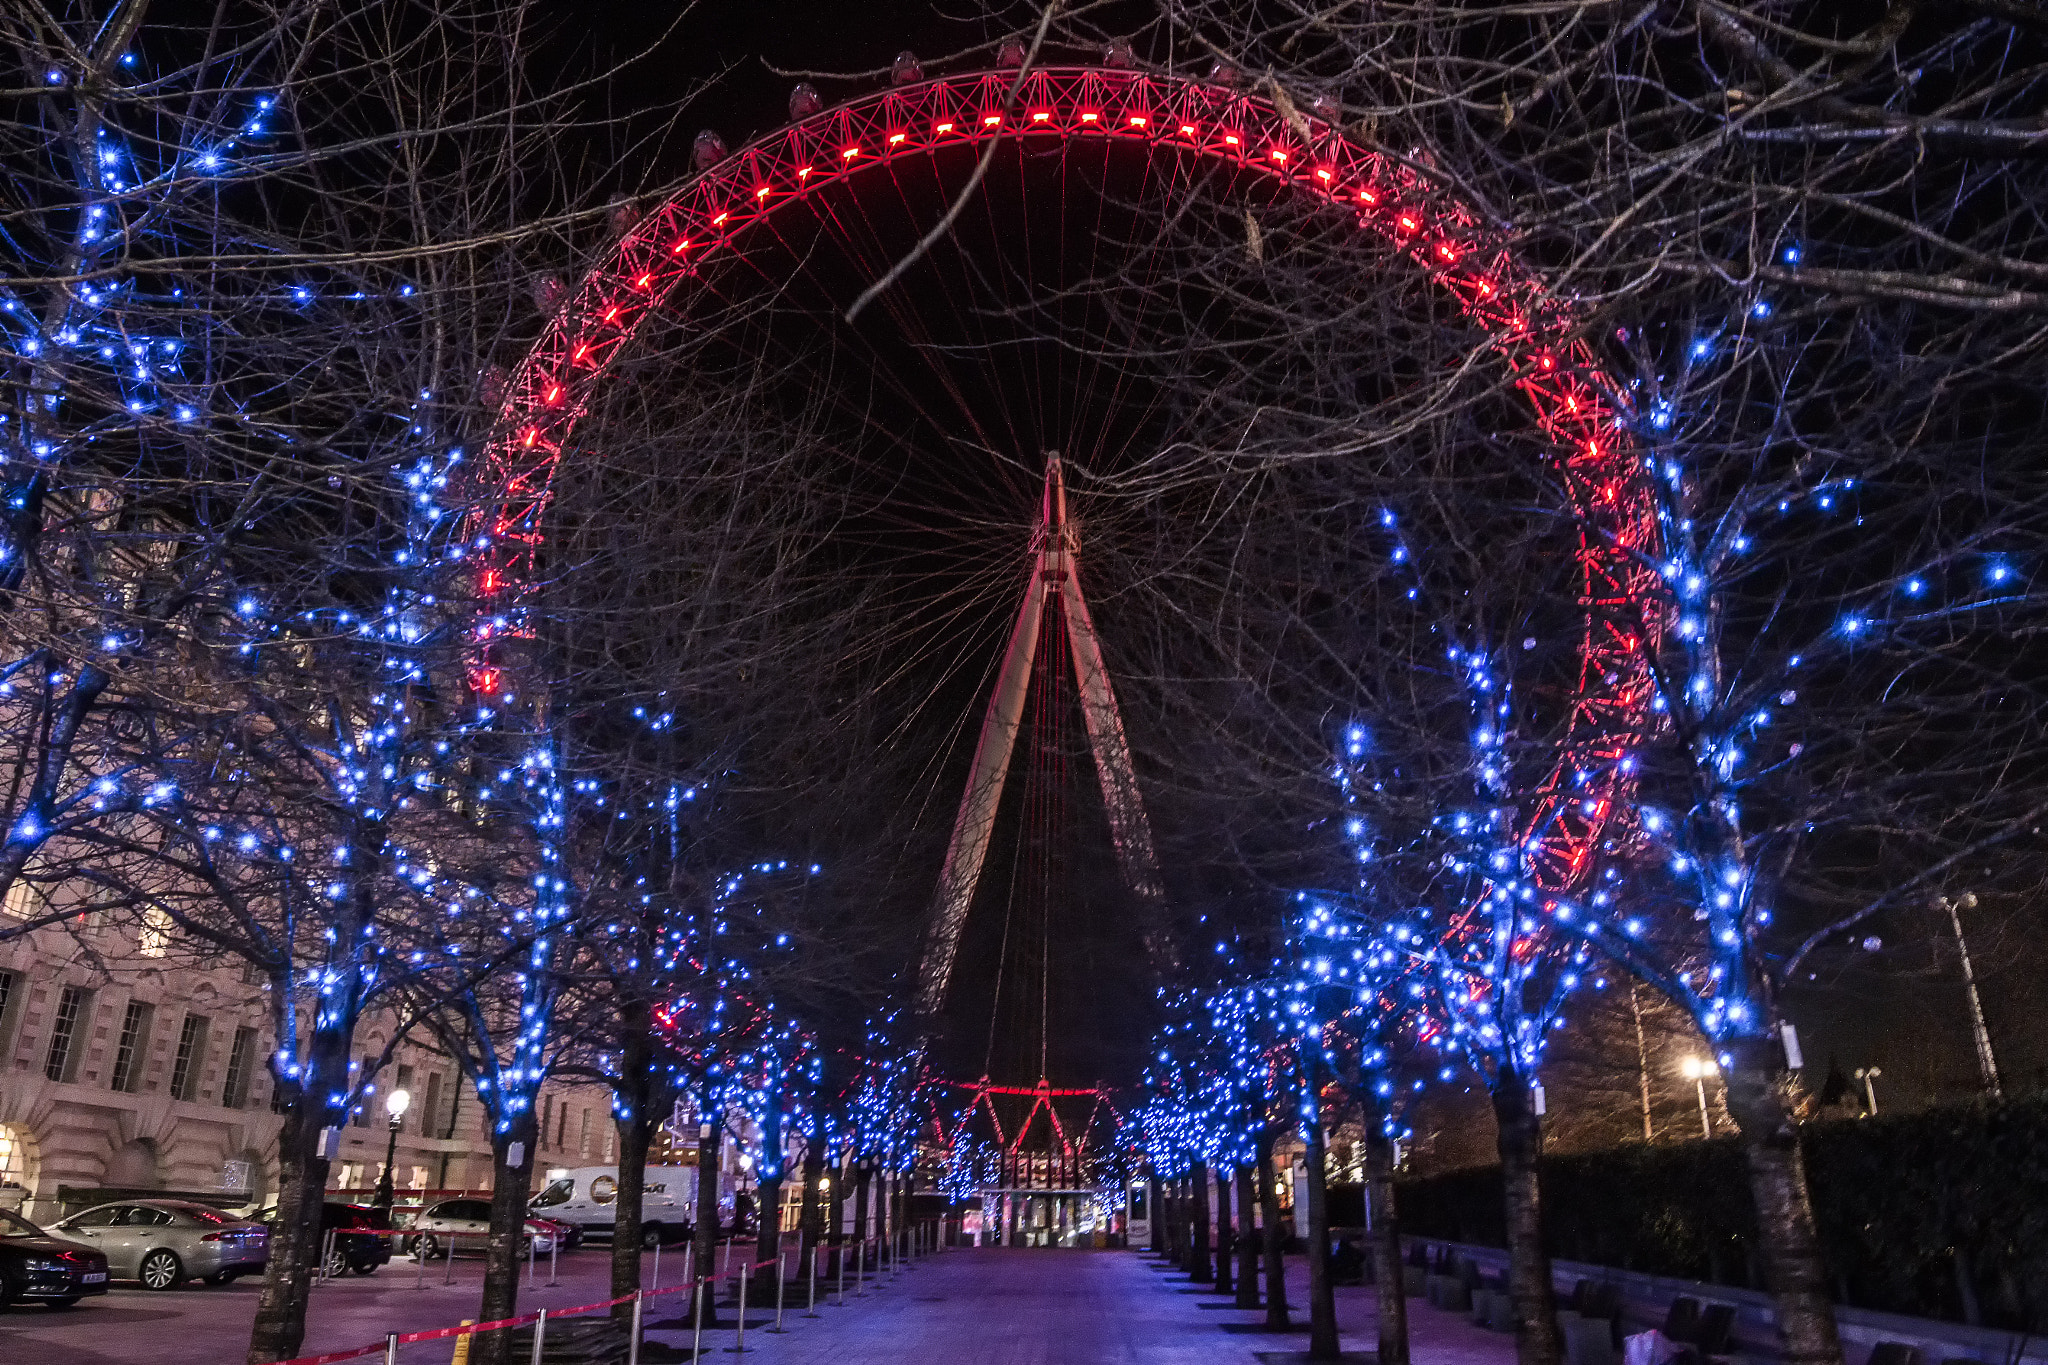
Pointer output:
x,y
94,1277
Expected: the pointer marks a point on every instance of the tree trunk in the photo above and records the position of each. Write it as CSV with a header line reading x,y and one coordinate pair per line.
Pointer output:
x,y
635,1135
1385,1237
1176,1245
704,1234
511,1187
1198,1187
1247,1242
1322,1295
768,1212
1520,1142
768,1189
810,1220
1276,1236
1226,1238
280,1326
836,1234
862,1175
1795,1272
632,1091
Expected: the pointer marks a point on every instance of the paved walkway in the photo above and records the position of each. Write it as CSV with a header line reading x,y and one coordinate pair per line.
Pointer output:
x,y
1025,1307
990,1307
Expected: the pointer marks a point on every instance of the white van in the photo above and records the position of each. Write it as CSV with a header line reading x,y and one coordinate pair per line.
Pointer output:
x,y
587,1195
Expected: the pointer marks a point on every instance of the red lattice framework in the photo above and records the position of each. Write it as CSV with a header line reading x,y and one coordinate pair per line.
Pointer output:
x,y
1069,1143
1589,449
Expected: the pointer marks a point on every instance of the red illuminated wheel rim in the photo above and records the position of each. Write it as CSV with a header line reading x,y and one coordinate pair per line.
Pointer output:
x,y
714,219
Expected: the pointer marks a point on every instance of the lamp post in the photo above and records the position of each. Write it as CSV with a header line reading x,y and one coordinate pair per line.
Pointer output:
x,y
1696,1070
1868,1075
395,1104
1986,1061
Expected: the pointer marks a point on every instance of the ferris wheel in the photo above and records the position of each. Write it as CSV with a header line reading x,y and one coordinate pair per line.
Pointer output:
x,y
983,353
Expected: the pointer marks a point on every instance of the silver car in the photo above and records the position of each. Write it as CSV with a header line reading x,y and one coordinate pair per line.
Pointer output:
x,y
465,1224
163,1242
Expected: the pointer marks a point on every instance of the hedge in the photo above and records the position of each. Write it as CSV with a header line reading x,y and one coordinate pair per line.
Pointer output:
x,y
1941,1213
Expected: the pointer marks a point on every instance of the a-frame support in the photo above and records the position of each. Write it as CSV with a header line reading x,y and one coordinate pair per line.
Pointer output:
x,y
1054,552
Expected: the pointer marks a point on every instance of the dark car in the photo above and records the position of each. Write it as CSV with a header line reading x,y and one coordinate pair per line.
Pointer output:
x,y
38,1268
359,1236
352,1237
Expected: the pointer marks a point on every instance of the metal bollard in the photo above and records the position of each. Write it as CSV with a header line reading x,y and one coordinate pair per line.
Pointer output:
x,y
532,1251
540,1332
740,1342
448,1275
391,1348
780,1280
699,1293
657,1263
841,1250
554,1252
419,1274
633,1342
817,1269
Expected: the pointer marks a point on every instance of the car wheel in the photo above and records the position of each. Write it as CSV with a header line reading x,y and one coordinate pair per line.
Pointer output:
x,y
160,1270
428,1248
363,1267
650,1236
337,1263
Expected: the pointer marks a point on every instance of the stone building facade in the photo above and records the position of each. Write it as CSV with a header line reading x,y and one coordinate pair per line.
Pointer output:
x,y
127,1063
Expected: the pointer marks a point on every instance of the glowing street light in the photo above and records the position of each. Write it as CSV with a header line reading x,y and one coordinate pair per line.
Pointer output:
x,y
1696,1070
395,1104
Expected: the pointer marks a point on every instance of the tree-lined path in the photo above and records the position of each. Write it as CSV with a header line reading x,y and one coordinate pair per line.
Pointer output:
x,y
1033,1307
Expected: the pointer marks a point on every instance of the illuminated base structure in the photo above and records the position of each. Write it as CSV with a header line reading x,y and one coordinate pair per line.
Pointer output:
x,y
1034,1165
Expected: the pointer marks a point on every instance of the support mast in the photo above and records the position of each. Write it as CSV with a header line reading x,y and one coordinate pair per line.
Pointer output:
x,y
1054,554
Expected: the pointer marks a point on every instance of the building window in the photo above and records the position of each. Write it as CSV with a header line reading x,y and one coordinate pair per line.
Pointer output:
x,y
561,1124
22,900
13,1159
133,1048
156,932
191,1058
430,1111
360,1117
583,1134
234,1087
7,980
62,1062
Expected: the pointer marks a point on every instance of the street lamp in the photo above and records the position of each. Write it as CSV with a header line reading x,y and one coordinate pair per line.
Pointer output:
x,y
1986,1061
1696,1070
395,1104
1868,1074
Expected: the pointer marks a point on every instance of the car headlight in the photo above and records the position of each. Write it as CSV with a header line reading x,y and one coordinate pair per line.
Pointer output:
x,y
36,1264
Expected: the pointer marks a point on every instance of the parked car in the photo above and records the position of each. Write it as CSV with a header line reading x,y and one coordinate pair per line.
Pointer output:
x,y
163,1242
586,1195
358,1236
567,1235
36,1267
465,1223
361,1240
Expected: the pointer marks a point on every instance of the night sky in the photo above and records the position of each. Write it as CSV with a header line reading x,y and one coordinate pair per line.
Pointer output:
x,y
711,70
